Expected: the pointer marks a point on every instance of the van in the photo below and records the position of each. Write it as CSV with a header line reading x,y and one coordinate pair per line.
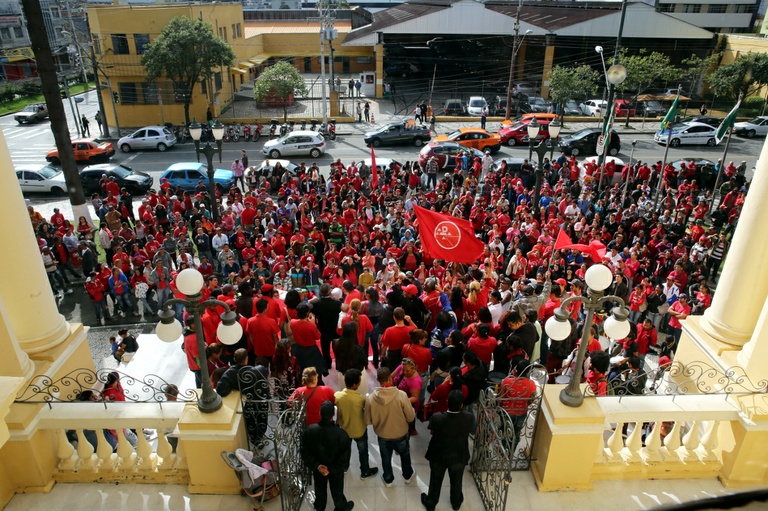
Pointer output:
x,y
453,107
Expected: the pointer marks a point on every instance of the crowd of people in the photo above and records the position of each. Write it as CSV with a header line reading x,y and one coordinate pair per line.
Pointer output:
x,y
327,272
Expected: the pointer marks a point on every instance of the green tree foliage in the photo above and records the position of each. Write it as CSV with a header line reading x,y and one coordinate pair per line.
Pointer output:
x,y
185,52
643,70
695,69
280,83
576,83
746,75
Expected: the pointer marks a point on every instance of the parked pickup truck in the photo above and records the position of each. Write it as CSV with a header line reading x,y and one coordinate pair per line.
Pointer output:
x,y
32,113
398,133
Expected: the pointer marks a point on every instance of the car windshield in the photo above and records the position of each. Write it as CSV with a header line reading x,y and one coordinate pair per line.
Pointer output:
x,y
582,133
455,134
756,120
48,172
30,108
477,102
571,104
536,101
654,104
122,171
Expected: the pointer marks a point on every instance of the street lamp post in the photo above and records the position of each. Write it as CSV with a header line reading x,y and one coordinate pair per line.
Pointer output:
x,y
190,282
629,173
541,151
598,278
196,131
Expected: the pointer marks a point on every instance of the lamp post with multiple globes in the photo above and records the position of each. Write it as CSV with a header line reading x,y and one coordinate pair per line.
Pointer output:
x,y
190,282
598,278
196,132
541,150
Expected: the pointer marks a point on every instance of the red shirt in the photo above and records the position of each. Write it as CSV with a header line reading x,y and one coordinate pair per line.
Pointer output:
x,y
483,348
261,331
315,397
305,333
395,337
516,394
421,356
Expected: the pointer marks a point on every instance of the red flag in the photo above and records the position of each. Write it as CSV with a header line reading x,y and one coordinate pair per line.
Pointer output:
x,y
374,171
595,249
562,240
448,238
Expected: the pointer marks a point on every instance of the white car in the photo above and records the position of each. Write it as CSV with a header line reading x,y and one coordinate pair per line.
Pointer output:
x,y
693,133
149,137
756,126
300,142
593,107
382,163
476,104
41,179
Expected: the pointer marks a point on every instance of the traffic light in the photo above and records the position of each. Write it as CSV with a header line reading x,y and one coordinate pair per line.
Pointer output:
x,y
115,97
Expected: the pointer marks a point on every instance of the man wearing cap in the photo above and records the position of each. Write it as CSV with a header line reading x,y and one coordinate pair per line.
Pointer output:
x,y
312,276
679,310
325,449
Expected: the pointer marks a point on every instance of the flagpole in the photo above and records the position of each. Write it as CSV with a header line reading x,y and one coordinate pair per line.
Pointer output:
x,y
720,170
661,171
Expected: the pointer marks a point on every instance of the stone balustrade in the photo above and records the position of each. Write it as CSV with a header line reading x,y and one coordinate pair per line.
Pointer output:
x,y
136,458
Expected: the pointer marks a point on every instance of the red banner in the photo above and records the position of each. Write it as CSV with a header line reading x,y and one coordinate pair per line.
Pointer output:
x,y
449,238
595,250
374,171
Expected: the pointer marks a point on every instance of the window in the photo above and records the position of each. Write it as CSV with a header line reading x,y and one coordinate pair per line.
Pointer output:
x,y
667,8
239,30
717,8
217,80
5,33
744,8
120,44
55,13
691,8
150,93
364,60
203,87
234,34
141,41
128,93
18,32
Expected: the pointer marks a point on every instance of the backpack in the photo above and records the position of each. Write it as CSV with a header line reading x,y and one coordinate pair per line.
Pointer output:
x,y
609,390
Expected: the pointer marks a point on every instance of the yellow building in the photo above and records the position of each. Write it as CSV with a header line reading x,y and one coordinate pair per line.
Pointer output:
x,y
121,31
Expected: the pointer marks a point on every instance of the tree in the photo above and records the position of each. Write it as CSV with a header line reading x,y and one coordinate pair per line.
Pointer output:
x,y
567,83
746,75
280,82
643,70
696,69
185,52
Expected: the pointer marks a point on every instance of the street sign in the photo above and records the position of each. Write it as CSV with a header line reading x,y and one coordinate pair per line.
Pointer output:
x,y
600,149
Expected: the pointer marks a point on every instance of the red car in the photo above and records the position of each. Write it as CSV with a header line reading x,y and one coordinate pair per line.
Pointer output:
x,y
518,132
621,108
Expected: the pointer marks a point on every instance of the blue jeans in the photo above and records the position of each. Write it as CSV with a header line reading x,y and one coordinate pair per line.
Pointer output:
x,y
124,302
362,452
162,296
100,308
401,446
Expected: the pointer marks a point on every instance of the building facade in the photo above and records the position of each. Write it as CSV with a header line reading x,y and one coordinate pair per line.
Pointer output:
x,y
726,17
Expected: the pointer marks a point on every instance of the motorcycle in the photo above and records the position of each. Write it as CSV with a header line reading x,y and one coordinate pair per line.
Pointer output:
x,y
272,128
247,133
303,123
291,125
283,129
329,130
256,134
314,123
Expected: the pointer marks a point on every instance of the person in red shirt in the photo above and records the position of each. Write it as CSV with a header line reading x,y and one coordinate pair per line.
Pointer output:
x,y
263,332
395,337
646,337
96,292
191,350
364,325
419,353
313,393
516,393
482,344
273,308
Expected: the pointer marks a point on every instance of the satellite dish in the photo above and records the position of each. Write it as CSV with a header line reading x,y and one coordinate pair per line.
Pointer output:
x,y
616,74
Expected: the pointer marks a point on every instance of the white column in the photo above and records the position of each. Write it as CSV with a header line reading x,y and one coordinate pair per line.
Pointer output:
x,y
32,312
753,357
13,362
743,283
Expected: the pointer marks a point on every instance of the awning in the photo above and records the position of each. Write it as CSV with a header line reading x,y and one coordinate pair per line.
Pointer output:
x,y
259,59
238,70
246,64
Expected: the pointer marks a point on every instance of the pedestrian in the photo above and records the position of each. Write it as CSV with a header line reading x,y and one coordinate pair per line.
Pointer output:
x,y
351,417
483,117
367,111
390,412
86,130
358,86
244,158
703,110
325,449
423,111
351,87
239,171
98,120
359,112
448,450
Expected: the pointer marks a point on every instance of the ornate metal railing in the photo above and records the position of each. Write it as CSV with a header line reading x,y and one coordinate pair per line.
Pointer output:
x,y
88,385
679,379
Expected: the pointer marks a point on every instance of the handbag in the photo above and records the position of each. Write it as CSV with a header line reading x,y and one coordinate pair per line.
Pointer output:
x,y
426,411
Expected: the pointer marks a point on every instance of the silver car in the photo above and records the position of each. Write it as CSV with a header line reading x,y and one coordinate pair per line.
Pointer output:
x,y
300,142
149,137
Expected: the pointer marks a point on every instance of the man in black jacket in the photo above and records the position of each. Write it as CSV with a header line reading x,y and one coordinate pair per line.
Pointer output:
x,y
448,450
326,310
253,385
325,448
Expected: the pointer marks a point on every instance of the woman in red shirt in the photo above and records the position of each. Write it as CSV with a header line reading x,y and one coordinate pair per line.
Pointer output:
x,y
364,325
452,382
418,352
482,344
312,394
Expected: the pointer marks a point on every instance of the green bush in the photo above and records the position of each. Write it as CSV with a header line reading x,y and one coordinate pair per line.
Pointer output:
x,y
754,102
30,87
8,92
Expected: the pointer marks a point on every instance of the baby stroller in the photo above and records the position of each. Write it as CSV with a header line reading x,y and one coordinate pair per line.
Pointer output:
x,y
258,476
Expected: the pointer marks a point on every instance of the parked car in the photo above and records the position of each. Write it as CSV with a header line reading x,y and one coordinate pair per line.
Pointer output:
x,y
41,179
87,150
137,183
454,107
476,104
571,108
445,152
593,107
382,163
398,133
513,164
595,159
289,166
526,88
622,106
188,174
756,126
712,121
518,132
299,142
694,133
149,137
476,138
651,108
538,104
31,113
585,142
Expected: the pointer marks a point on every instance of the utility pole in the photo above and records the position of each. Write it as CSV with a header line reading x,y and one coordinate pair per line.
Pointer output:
x,y
322,73
46,69
104,124
77,46
515,48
